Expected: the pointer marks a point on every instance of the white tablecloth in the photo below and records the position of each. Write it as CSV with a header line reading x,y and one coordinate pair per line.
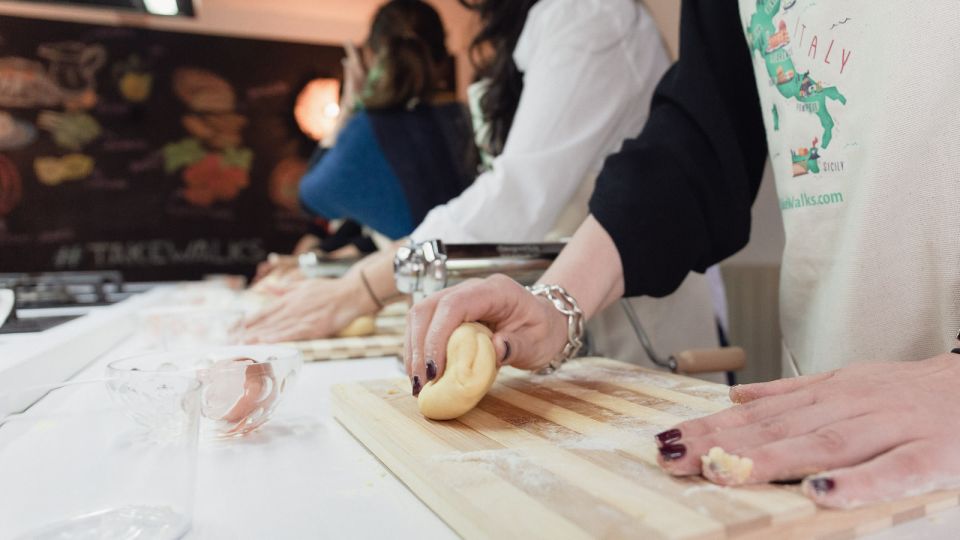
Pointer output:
x,y
304,476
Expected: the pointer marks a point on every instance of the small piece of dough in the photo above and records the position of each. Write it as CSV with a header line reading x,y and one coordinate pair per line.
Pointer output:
x,y
361,326
727,469
470,372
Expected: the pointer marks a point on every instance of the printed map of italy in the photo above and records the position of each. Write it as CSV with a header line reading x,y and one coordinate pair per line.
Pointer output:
x,y
771,42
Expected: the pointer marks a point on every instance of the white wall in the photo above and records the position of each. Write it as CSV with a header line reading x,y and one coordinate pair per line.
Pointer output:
x,y
766,235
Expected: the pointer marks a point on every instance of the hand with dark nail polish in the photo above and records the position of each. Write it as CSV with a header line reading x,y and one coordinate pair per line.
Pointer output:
x,y
528,330
673,452
667,437
821,484
868,432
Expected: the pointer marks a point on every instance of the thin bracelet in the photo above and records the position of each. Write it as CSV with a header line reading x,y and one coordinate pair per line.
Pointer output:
x,y
366,285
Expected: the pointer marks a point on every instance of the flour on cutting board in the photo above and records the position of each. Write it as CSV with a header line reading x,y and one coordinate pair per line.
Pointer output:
x,y
508,463
705,487
610,375
589,443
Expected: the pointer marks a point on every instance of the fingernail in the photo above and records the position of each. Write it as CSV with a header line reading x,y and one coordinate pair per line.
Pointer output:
x,y
506,352
669,436
416,385
822,485
673,452
431,370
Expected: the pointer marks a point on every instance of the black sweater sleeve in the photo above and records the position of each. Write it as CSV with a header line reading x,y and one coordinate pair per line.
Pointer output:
x,y
677,198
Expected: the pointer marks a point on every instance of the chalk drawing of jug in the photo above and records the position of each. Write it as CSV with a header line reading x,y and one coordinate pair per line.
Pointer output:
x,y
73,67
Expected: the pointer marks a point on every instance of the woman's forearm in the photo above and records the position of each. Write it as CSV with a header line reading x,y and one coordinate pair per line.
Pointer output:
x,y
589,268
377,269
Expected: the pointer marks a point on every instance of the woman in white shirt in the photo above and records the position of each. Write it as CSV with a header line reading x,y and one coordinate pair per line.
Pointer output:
x,y
568,81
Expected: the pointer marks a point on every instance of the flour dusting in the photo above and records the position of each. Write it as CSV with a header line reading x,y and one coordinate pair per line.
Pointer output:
x,y
506,463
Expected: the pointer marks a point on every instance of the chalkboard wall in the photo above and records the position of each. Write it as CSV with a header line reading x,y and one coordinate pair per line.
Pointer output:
x,y
162,154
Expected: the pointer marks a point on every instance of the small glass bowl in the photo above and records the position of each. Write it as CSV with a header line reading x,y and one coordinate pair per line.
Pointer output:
x,y
241,386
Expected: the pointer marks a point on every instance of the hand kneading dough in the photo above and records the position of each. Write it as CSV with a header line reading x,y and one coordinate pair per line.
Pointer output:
x,y
361,326
470,372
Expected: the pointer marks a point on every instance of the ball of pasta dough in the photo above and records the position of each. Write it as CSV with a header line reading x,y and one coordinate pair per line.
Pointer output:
x,y
361,326
470,372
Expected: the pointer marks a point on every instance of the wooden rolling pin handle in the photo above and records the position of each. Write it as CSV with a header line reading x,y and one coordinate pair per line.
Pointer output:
x,y
710,360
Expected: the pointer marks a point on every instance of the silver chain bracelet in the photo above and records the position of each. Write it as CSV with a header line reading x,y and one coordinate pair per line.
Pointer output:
x,y
568,306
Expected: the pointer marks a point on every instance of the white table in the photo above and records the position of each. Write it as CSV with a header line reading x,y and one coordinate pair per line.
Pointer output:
x,y
304,476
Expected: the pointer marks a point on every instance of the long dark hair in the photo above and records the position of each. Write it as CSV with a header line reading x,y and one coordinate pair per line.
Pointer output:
x,y
409,42
492,55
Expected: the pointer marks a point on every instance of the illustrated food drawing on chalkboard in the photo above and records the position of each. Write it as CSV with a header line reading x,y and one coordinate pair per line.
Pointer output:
x,y
73,68
134,80
53,171
215,166
217,130
71,130
164,154
24,84
15,133
204,91
285,182
11,189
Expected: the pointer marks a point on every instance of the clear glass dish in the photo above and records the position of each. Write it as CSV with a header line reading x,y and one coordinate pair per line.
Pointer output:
x,y
241,386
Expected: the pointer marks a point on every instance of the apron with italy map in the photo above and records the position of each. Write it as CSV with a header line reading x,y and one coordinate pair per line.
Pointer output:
x,y
861,102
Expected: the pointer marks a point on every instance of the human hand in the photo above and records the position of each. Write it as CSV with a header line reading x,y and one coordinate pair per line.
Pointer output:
x,y
862,434
313,309
528,330
275,263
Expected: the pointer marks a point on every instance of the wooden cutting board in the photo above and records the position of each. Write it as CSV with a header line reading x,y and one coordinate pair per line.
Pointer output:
x,y
387,341
571,455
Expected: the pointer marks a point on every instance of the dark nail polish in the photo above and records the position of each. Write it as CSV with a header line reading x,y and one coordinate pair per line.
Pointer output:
x,y
506,353
822,485
416,385
669,436
431,370
956,351
791,482
673,452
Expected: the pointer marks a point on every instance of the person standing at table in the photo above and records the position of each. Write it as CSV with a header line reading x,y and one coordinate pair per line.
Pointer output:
x,y
403,148
563,83
403,145
863,133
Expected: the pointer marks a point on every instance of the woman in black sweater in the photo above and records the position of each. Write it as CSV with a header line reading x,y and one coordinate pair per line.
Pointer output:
x,y
856,286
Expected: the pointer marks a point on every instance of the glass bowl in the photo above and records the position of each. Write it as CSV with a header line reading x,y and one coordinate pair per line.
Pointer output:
x,y
241,386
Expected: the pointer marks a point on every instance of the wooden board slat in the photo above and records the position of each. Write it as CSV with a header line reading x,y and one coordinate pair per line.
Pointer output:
x,y
387,341
572,456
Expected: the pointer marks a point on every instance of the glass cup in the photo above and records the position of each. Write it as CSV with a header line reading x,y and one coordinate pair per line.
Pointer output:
x,y
191,327
241,386
103,459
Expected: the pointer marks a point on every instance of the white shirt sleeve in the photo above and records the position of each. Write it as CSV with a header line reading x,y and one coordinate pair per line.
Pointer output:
x,y
589,75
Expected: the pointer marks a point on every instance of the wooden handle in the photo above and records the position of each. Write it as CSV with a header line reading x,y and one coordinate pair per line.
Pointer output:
x,y
710,360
